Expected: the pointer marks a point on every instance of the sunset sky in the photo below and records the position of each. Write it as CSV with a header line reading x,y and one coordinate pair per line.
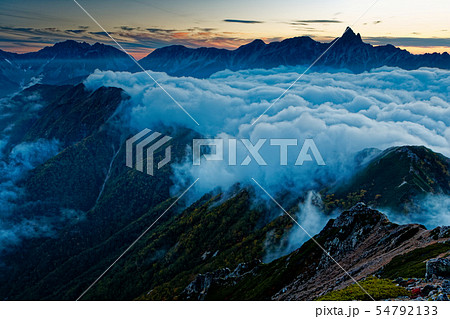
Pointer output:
x,y
143,25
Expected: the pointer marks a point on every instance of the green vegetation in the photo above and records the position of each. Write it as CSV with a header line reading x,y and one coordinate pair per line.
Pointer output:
x,y
230,231
77,114
412,264
62,178
393,179
270,278
62,266
379,289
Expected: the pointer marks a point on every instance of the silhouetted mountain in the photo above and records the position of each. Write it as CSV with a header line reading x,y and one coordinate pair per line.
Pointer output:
x,y
67,62
75,50
349,52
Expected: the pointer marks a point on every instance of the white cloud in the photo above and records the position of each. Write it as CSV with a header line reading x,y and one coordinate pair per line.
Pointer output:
x,y
343,112
312,221
432,211
13,168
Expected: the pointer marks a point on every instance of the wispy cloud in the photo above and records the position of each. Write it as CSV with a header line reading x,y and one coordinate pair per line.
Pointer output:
x,y
242,21
127,28
137,40
316,21
76,31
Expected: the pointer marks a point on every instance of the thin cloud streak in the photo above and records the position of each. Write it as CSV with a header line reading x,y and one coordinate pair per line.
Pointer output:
x,y
243,21
318,21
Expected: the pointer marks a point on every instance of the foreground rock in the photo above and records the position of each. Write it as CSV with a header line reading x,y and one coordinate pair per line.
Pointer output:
x,y
438,267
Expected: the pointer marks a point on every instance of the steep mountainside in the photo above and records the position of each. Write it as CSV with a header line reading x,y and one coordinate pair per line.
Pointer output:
x,y
396,178
87,178
361,240
349,53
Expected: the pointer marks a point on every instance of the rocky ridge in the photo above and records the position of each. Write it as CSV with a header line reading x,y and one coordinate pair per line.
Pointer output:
x,y
361,240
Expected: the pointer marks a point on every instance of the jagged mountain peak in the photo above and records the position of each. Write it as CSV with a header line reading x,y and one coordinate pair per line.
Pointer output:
x,y
71,44
350,36
298,41
359,214
67,62
256,42
71,49
349,53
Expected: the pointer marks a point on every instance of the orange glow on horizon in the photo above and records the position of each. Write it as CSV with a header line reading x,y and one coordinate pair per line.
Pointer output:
x,y
423,50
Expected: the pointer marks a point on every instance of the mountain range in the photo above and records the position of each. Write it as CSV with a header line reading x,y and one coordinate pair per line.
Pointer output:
x,y
349,52
69,62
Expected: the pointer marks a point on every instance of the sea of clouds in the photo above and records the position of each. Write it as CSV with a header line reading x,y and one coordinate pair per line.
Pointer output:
x,y
343,113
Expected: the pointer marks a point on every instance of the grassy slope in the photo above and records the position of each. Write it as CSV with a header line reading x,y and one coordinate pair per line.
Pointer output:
x,y
378,184
379,289
412,264
171,255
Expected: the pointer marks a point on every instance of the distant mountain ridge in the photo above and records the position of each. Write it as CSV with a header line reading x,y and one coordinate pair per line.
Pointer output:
x,y
70,62
73,50
67,62
348,52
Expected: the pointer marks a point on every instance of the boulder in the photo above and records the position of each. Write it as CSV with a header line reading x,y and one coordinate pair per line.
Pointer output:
x,y
438,267
427,289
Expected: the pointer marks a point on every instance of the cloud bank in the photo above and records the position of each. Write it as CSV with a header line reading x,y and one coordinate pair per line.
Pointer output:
x,y
13,168
432,211
344,113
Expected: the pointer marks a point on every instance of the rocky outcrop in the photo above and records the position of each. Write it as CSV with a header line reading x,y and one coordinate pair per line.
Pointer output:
x,y
198,288
438,267
361,241
424,289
